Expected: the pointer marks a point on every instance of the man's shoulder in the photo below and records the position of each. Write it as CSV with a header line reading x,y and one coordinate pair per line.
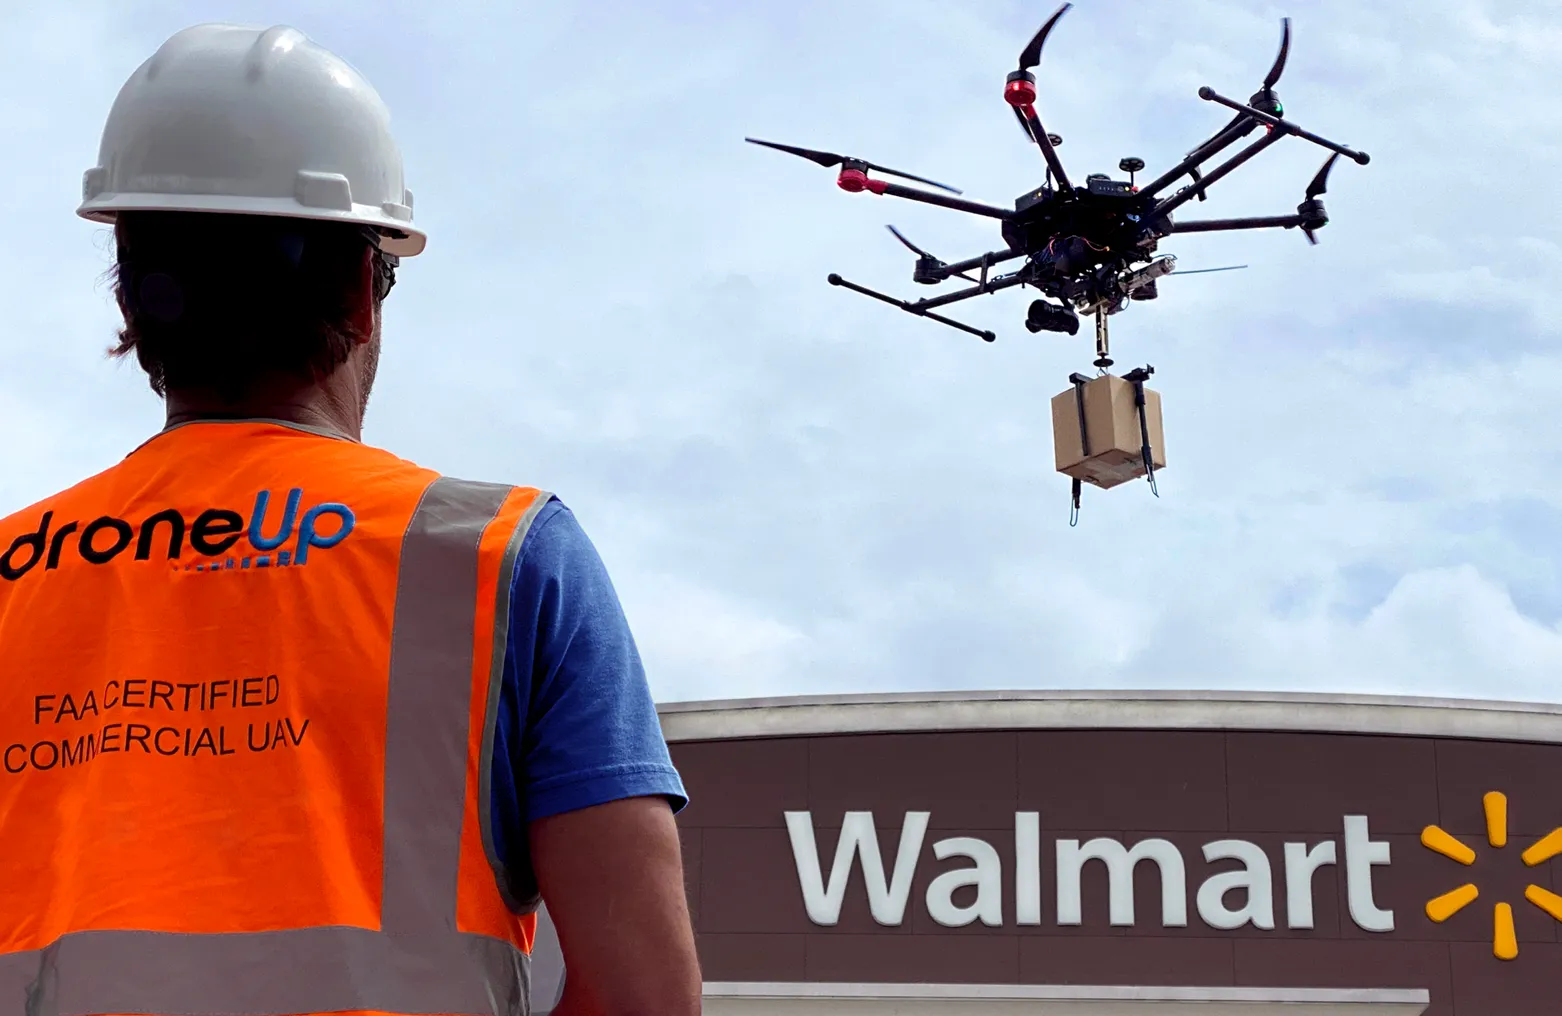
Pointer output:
x,y
544,499
555,543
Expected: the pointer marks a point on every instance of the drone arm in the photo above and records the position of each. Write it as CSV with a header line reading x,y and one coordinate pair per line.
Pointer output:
x,y
1257,222
911,308
1310,214
1038,134
992,286
1239,126
943,200
986,260
1219,172
924,308
1247,117
1227,137
1283,126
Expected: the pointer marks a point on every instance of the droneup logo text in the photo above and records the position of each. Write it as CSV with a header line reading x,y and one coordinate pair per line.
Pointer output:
x,y
212,535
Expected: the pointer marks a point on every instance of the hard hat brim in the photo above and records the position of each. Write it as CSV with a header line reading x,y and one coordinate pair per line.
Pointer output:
x,y
400,238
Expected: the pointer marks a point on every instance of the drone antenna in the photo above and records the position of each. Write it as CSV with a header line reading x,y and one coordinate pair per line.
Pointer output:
x,y
1201,271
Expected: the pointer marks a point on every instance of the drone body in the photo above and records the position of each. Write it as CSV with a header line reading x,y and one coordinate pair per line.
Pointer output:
x,y
1091,247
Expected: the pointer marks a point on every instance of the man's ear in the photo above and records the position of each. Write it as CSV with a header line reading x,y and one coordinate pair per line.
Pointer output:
x,y
364,314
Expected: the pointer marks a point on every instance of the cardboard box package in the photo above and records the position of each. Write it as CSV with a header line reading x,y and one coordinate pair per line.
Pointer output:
x,y
1097,434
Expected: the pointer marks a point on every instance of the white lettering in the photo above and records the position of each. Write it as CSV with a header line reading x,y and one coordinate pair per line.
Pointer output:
x,y
1300,864
889,892
987,877
886,901
1254,878
1120,863
1361,853
1027,867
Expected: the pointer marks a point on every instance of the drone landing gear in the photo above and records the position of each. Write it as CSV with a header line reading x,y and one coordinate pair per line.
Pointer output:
x,y
911,308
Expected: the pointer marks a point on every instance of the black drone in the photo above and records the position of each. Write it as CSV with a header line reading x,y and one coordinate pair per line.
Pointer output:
x,y
1089,248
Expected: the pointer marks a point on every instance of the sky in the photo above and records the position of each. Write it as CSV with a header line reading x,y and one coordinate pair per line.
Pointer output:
x,y
801,491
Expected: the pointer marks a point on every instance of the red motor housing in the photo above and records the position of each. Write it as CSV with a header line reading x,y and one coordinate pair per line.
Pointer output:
x,y
853,180
1019,93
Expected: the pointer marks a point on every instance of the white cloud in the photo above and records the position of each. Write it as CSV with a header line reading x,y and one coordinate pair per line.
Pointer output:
x,y
1481,640
727,650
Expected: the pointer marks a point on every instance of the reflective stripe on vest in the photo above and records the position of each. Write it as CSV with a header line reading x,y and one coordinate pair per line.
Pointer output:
x,y
417,962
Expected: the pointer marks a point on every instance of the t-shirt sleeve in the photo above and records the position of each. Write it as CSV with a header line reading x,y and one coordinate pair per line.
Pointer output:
x,y
576,724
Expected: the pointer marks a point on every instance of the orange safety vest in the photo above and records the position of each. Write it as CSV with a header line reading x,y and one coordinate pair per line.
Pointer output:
x,y
248,683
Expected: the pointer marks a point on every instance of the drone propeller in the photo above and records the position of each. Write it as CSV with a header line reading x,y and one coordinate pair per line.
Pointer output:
x,y
913,247
829,159
1279,65
1265,98
1320,182
919,252
1319,185
1242,124
1030,56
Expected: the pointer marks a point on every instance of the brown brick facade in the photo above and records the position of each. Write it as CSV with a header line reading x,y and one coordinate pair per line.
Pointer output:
x,y
1186,787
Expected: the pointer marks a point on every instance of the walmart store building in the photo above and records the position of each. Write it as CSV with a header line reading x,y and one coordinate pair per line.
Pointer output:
x,y
1108,854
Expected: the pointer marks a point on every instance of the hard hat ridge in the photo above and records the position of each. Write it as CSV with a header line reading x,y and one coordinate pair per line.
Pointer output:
x,y
261,121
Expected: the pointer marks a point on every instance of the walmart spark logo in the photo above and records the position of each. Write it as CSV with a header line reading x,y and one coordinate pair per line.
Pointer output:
x,y
1505,943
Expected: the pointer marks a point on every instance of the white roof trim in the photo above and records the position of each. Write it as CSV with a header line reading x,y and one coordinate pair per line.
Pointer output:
x,y
1155,710
734,997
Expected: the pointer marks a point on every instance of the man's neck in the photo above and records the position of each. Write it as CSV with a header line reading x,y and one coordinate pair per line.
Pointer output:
x,y
311,407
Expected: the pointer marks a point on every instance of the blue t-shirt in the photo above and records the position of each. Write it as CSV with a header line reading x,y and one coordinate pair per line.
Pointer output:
x,y
576,724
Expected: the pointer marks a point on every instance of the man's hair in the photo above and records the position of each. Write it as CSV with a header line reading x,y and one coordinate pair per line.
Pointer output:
x,y
218,302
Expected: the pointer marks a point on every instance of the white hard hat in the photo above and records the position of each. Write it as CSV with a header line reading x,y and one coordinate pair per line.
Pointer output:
x,y
262,121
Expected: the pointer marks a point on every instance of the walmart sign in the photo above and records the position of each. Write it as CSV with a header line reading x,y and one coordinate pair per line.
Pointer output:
x,y
1224,899
1218,902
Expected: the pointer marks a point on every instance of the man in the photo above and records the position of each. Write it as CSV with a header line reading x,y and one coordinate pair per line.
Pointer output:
x,y
291,725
